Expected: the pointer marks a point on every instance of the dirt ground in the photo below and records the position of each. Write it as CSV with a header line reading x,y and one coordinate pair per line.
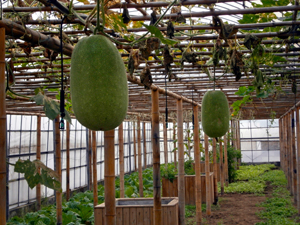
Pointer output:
x,y
234,209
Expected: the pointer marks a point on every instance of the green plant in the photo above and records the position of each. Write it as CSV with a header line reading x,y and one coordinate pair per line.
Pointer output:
x,y
169,172
188,167
232,157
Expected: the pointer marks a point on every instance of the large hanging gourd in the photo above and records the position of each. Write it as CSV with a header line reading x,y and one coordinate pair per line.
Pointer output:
x,y
215,114
99,89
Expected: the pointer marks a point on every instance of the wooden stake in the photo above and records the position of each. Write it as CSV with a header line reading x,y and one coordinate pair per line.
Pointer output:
x,y
90,160
38,157
174,138
298,157
294,161
221,167
225,161
181,183
134,147
157,211
290,185
197,167
58,170
68,162
145,145
94,156
3,174
140,158
207,177
215,169
165,144
121,160
109,177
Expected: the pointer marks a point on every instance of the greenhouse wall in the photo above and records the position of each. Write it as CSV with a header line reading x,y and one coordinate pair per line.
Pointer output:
x,y
260,141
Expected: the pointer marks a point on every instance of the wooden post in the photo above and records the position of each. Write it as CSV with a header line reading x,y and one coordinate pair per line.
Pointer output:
x,y
290,184
145,145
188,139
294,161
121,160
38,157
298,158
174,138
140,158
68,163
134,147
285,145
157,211
58,170
94,153
225,161
3,172
90,160
109,177
197,166
207,177
221,167
215,169
181,183
165,143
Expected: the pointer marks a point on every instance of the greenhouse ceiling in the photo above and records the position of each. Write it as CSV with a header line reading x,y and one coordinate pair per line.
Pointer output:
x,y
247,49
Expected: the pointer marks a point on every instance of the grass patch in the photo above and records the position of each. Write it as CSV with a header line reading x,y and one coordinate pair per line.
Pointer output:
x,y
251,187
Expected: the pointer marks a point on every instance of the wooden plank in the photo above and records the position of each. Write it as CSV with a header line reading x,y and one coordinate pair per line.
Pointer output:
x,y
99,216
126,216
147,217
165,214
133,216
119,216
140,216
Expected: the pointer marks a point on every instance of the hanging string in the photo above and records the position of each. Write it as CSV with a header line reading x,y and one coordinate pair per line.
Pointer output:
x,y
166,111
193,121
62,91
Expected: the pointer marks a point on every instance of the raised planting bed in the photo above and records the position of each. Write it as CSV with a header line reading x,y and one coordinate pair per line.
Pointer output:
x,y
170,189
133,211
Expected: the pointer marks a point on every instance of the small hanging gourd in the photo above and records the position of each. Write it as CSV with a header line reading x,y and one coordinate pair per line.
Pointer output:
x,y
215,114
99,89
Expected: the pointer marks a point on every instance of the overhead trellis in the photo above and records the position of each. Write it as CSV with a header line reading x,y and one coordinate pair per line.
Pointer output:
x,y
183,39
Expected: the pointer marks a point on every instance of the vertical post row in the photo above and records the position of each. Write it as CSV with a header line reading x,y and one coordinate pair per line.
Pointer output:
x,y
157,214
109,177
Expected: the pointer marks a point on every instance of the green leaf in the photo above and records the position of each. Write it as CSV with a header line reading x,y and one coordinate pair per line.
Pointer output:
x,y
39,99
156,32
51,108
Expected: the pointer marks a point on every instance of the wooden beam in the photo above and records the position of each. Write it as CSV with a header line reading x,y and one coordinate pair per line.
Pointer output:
x,y
3,159
109,177
157,211
181,183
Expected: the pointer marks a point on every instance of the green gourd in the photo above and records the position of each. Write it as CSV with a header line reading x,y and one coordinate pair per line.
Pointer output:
x,y
215,114
99,89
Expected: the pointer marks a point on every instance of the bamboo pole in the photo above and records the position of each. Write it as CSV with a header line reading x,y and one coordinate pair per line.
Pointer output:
x,y
221,167
289,153
3,172
145,145
38,157
140,157
134,147
225,160
94,154
281,143
294,161
121,160
285,148
174,142
197,167
207,180
90,160
109,177
298,158
68,162
165,144
58,170
157,211
215,169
